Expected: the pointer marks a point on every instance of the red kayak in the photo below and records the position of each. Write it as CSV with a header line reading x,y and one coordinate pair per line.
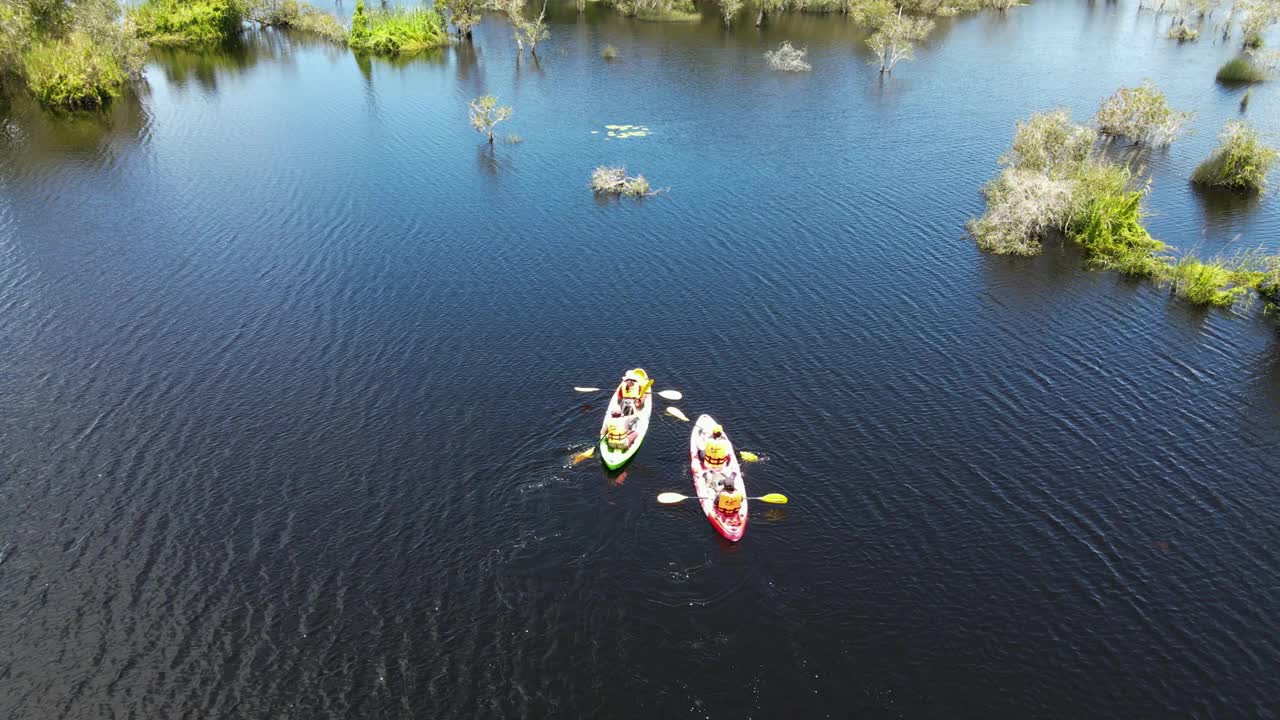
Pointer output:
x,y
731,526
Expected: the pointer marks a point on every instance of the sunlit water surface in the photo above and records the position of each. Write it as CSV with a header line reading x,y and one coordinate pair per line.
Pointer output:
x,y
287,357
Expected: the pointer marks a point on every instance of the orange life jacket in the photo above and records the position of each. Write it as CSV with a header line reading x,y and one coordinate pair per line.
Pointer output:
x,y
729,502
716,452
616,432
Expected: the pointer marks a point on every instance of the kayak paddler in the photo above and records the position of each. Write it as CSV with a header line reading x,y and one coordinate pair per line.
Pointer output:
x,y
634,387
618,431
729,498
715,452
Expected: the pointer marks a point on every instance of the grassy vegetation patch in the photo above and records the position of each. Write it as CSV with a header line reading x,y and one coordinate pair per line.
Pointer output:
x,y
1240,70
1216,282
1240,163
187,22
396,32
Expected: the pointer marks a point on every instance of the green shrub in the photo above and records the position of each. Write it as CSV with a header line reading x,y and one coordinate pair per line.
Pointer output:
x,y
74,72
609,52
1241,162
1183,33
187,22
358,36
396,32
1252,40
1241,70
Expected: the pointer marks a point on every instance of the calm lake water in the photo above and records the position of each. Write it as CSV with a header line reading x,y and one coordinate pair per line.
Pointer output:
x,y
288,356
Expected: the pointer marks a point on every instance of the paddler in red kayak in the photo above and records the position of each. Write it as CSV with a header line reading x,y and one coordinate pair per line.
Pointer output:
x,y
729,498
715,451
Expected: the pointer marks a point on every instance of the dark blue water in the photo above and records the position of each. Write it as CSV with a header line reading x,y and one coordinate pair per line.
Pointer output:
x,y
287,357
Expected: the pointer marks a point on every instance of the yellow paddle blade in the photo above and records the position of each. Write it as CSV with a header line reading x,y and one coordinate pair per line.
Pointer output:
x,y
585,389
748,456
773,498
671,497
584,454
675,412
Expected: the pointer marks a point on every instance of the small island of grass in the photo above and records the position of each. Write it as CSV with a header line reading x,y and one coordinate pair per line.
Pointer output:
x,y
396,32
187,22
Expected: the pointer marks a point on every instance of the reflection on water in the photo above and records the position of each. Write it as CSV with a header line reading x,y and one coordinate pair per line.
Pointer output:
x,y
1224,210
203,66
40,137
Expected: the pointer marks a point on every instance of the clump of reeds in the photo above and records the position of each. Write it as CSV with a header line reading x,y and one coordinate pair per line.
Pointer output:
x,y
1240,70
1240,162
609,52
1216,282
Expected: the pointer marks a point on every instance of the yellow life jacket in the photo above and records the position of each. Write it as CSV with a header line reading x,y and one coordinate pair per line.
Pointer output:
x,y
616,432
729,502
632,391
717,452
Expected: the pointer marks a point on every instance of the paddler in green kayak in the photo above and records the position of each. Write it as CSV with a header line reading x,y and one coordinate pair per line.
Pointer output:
x,y
618,431
634,386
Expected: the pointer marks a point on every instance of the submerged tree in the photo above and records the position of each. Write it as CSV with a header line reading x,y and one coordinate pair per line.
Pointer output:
x,y
729,10
486,114
788,58
1141,114
768,6
464,14
896,39
524,30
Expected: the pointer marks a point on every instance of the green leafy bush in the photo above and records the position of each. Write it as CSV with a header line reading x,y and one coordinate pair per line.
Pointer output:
x,y
74,72
1241,70
396,32
187,22
1241,161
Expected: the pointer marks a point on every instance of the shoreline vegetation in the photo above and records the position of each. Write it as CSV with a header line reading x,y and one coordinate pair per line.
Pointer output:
x,y
1058,182
81,54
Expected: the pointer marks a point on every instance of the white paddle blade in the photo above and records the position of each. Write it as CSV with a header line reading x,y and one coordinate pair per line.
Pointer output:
x,y
584,389
670,394
671,497
675,412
